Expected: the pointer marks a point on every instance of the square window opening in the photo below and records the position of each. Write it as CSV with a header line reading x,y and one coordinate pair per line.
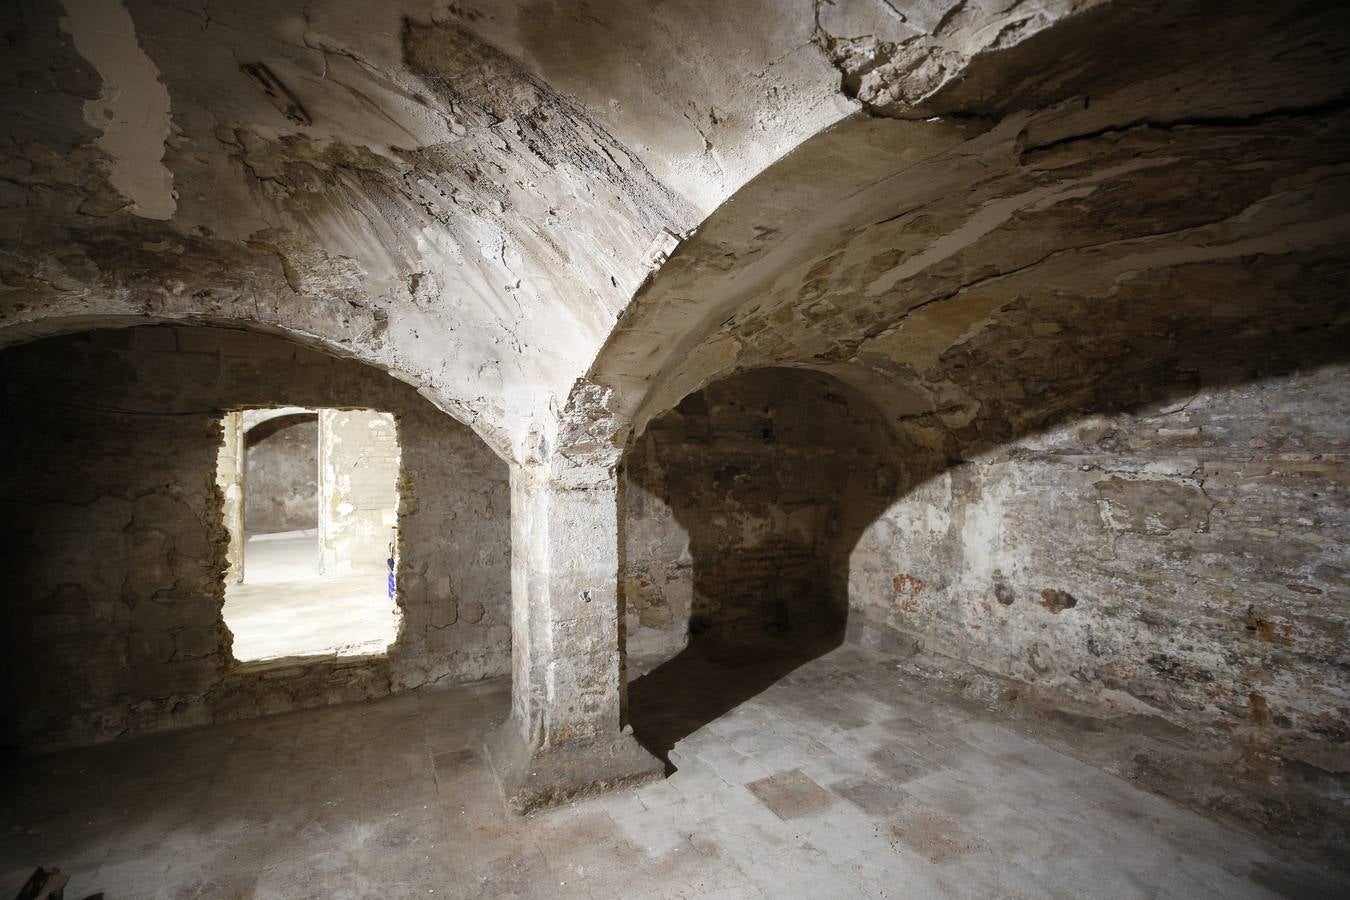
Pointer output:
x,y
311,506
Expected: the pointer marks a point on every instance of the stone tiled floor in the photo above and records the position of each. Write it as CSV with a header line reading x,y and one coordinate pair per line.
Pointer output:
x,y
840,780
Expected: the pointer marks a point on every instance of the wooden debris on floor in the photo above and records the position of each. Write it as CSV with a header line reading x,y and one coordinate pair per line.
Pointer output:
x,y
48,884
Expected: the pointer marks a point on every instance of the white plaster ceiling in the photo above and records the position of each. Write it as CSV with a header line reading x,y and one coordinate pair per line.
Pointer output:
x,y
492,200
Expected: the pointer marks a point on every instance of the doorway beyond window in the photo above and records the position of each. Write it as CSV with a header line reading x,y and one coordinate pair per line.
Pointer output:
x,y
311,505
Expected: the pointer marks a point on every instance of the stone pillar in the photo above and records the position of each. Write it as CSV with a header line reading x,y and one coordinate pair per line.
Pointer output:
x,y
564,737
358,489
230,480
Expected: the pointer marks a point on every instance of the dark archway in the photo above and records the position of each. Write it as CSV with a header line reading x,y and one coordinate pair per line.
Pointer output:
x,y
269,427
742,506
281,491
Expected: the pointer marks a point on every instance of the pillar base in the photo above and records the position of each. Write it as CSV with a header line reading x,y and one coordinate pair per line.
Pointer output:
x,y
533,779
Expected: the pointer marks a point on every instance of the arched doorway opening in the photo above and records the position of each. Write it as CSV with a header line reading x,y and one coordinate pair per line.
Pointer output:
x,y
311,504
742,505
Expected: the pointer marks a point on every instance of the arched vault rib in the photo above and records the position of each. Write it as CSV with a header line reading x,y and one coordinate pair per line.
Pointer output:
x,y
329,344
882,248
467,197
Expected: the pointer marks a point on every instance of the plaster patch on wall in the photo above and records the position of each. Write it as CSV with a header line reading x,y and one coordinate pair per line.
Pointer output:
x,y
132,110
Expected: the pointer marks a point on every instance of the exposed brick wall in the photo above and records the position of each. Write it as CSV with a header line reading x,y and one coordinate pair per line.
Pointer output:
x,y
114,549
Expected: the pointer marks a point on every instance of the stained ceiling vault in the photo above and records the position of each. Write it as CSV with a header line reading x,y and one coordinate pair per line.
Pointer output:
x,y
492,200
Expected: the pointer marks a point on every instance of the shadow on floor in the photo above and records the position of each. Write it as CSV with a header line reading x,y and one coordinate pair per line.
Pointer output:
x,y
715,673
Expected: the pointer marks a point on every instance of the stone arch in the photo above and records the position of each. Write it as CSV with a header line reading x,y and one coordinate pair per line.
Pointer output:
x,y
1066,310
875,245
280,471
276,420
114,533
55,324
741,509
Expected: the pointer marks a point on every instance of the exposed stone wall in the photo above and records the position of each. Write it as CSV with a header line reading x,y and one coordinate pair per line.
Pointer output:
x,y
1185,562
1178,563
230,482
281,487
741,506
359,460
112,537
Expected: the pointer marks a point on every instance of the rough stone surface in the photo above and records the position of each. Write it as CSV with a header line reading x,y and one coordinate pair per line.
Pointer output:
x,y
231,460
473,192
997,223
1182,563
741,508
1117,213
358,489
1186,561
1039,273
282,475
567,671
885,785
114,542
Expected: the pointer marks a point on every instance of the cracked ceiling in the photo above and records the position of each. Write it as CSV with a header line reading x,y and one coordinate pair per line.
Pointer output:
x,y
931,200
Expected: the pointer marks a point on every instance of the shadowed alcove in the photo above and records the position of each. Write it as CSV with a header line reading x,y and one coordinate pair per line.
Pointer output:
x,y
742,506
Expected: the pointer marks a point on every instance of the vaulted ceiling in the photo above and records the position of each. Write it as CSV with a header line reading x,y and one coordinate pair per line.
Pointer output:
x,y
493,200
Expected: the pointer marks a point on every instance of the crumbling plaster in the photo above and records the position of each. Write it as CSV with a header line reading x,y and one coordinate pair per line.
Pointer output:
x,y
358,489
1089,296
132,109
477,192
880,243
1180,567
556,222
